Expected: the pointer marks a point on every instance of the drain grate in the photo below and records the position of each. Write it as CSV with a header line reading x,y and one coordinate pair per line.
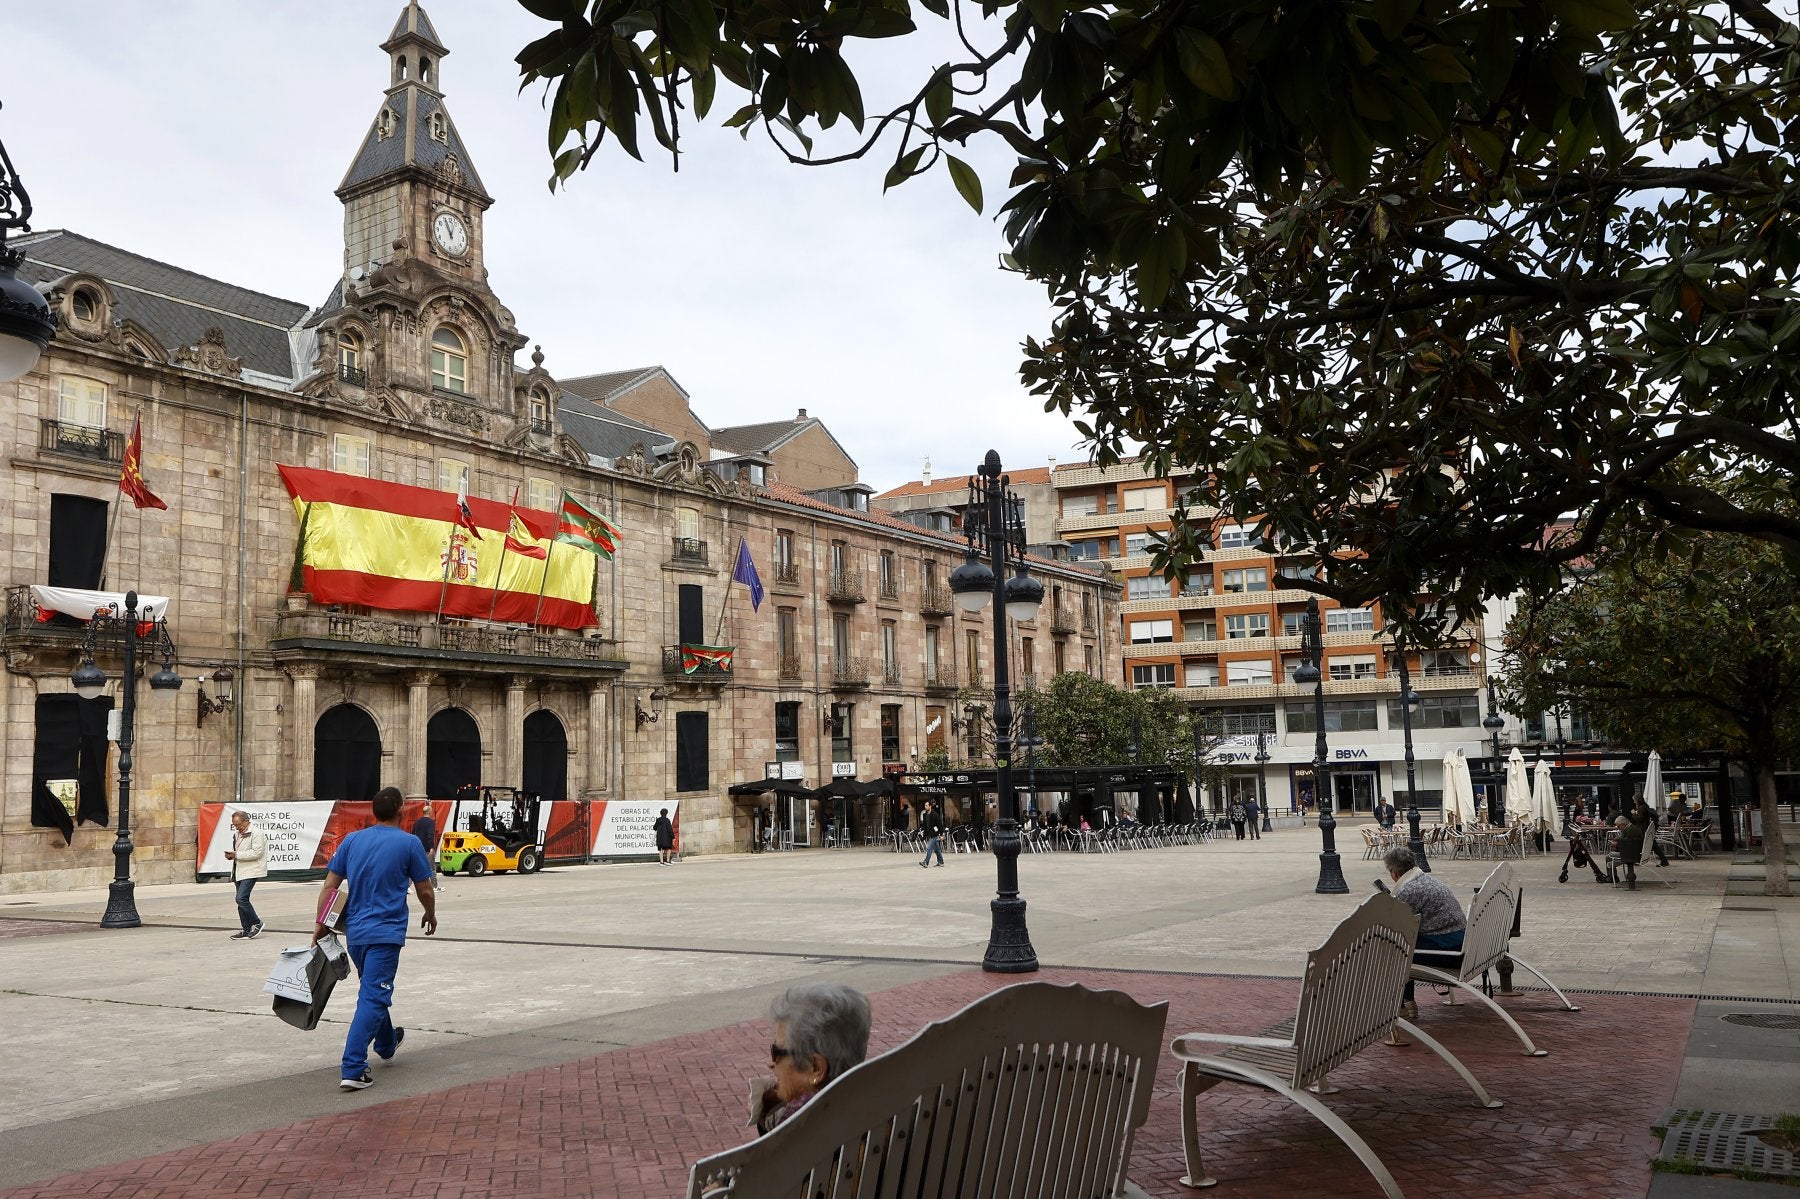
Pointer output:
x,y
1782,1020
1725,1141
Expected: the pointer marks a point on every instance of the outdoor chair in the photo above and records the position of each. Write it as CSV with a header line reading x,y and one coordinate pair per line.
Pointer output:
x,y
1035,1089
1349,1000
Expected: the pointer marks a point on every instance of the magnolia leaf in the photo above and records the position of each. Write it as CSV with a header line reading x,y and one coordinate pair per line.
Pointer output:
x,y
968,183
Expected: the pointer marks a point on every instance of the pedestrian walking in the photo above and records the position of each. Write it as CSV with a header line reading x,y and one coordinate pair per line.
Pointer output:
x,y
426,830
665,838
1253,819
378,863
1385,815
931,825
1237,818
249,857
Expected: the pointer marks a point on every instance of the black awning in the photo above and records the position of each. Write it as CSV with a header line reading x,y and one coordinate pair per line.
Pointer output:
x,y
770,786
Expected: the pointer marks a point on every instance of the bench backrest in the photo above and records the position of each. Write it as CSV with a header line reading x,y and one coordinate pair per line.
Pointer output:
x,y
1036,1089
1350,994
1490,921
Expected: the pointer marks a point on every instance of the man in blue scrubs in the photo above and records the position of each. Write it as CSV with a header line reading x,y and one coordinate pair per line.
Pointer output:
x,y
377,862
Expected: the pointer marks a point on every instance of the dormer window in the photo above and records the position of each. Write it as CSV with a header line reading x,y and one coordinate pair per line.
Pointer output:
x,y
384,124
449,361
85,305
539,405
440,128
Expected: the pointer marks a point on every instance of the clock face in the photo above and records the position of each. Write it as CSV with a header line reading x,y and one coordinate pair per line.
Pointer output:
x,y
450,234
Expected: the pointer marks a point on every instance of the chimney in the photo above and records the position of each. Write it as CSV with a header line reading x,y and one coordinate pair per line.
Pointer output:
x,y
925,473
802,415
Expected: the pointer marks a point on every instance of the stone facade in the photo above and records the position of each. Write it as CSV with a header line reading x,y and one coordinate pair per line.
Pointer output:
x,y
364,385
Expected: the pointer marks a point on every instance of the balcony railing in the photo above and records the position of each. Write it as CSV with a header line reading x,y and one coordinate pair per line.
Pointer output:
x,y
1061,622
81,441
890,673
1087,622
354,375
22,628
941,678
846,587
849,672
889,591
936,601
787,574
1447,671
789,667
688,551
674,663
542,427
423,633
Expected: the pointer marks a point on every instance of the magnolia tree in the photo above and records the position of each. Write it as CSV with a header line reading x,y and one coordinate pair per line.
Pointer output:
x,y
1406,281
1085,721
1690,651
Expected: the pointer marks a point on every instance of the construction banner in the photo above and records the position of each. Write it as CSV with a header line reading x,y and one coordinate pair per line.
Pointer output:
x,y
391,545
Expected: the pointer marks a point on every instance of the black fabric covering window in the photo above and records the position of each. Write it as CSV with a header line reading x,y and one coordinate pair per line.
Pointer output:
x,y
690,603
346,755
452,753
70,742
546,757
692,768
77,541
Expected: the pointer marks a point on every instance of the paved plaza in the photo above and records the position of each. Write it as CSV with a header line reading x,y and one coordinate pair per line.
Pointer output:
x,y
588,1030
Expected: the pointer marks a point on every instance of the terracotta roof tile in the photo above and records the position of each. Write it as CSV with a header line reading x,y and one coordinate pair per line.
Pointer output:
x,y
1031,475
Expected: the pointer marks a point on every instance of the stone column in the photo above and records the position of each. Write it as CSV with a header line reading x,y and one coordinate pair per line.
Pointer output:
x,y
512,737
418,698
595,749
300,727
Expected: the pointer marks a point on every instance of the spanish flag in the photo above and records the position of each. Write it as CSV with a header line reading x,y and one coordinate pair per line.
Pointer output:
x,y
389,545
522,541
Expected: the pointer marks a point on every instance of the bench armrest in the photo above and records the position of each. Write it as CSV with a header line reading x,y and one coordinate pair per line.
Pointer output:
x,y
1178,1048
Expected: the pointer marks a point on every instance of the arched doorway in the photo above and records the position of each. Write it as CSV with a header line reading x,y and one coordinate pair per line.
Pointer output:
x,y
346,754
546,772
452,753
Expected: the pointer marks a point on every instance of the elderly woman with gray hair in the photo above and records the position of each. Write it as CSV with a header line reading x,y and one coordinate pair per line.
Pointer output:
x,y
1441,923
821,1030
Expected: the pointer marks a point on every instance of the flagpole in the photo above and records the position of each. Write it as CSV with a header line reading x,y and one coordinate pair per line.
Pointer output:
x,y
112,517
719,631
495,603
543,583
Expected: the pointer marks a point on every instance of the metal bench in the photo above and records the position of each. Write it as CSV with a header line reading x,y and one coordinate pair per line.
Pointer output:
x,y
1349,1000
1035,1089
1485,942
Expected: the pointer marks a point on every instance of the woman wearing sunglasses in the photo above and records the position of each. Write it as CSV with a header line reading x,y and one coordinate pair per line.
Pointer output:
x,y
821,1030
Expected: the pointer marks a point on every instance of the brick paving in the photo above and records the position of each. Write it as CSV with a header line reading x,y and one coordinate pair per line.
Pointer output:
x,y
630,1122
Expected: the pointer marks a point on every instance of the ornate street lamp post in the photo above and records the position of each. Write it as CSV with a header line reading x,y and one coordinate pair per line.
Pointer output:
x,y
1262,787
106,629
1493,722
996,525
1312,671
26,325
1409,699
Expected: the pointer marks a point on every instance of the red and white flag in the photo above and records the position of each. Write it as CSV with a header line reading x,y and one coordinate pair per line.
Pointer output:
x,y
131,472
464,517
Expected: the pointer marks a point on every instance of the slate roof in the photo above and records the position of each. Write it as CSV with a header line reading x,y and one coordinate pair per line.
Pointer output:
x,y
770,436
603,387
413,20
960,483
175,305
410,146
602,432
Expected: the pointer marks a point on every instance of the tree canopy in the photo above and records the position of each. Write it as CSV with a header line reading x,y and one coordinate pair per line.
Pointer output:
x,y
1407,281
1697,652
1086,721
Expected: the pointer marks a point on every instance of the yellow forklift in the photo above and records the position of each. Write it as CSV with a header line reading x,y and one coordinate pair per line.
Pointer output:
x,y
497,830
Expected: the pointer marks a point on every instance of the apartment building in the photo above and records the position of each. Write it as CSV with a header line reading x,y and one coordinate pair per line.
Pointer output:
x,y
1228,640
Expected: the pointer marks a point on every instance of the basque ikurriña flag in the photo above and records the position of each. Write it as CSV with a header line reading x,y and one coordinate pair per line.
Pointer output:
x,y
745,572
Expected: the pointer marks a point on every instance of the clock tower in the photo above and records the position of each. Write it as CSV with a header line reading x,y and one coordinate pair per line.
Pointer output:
x,y
412,327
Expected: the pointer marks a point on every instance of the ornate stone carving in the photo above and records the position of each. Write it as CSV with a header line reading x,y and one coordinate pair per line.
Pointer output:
x,y
451,412
685,470
451,171
208,354
635,462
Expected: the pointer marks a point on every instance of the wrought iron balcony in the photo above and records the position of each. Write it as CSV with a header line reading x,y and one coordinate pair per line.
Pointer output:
x,y
1061,622
81,441
936,601
542,426
889,591
847,673
1087,622
688,551
354,375
674,661
787,574
890,673
25,628
846,588
941,679
789,667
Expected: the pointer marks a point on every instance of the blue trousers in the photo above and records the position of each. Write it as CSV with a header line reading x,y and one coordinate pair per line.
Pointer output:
x,y
933,845
1433,941
375,967
246,914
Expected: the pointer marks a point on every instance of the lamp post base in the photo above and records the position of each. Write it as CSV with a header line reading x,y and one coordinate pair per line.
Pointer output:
x,y
1009,948
121,905
1331,875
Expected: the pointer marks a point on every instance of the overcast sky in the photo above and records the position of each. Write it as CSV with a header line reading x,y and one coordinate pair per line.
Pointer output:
x,y
212,134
